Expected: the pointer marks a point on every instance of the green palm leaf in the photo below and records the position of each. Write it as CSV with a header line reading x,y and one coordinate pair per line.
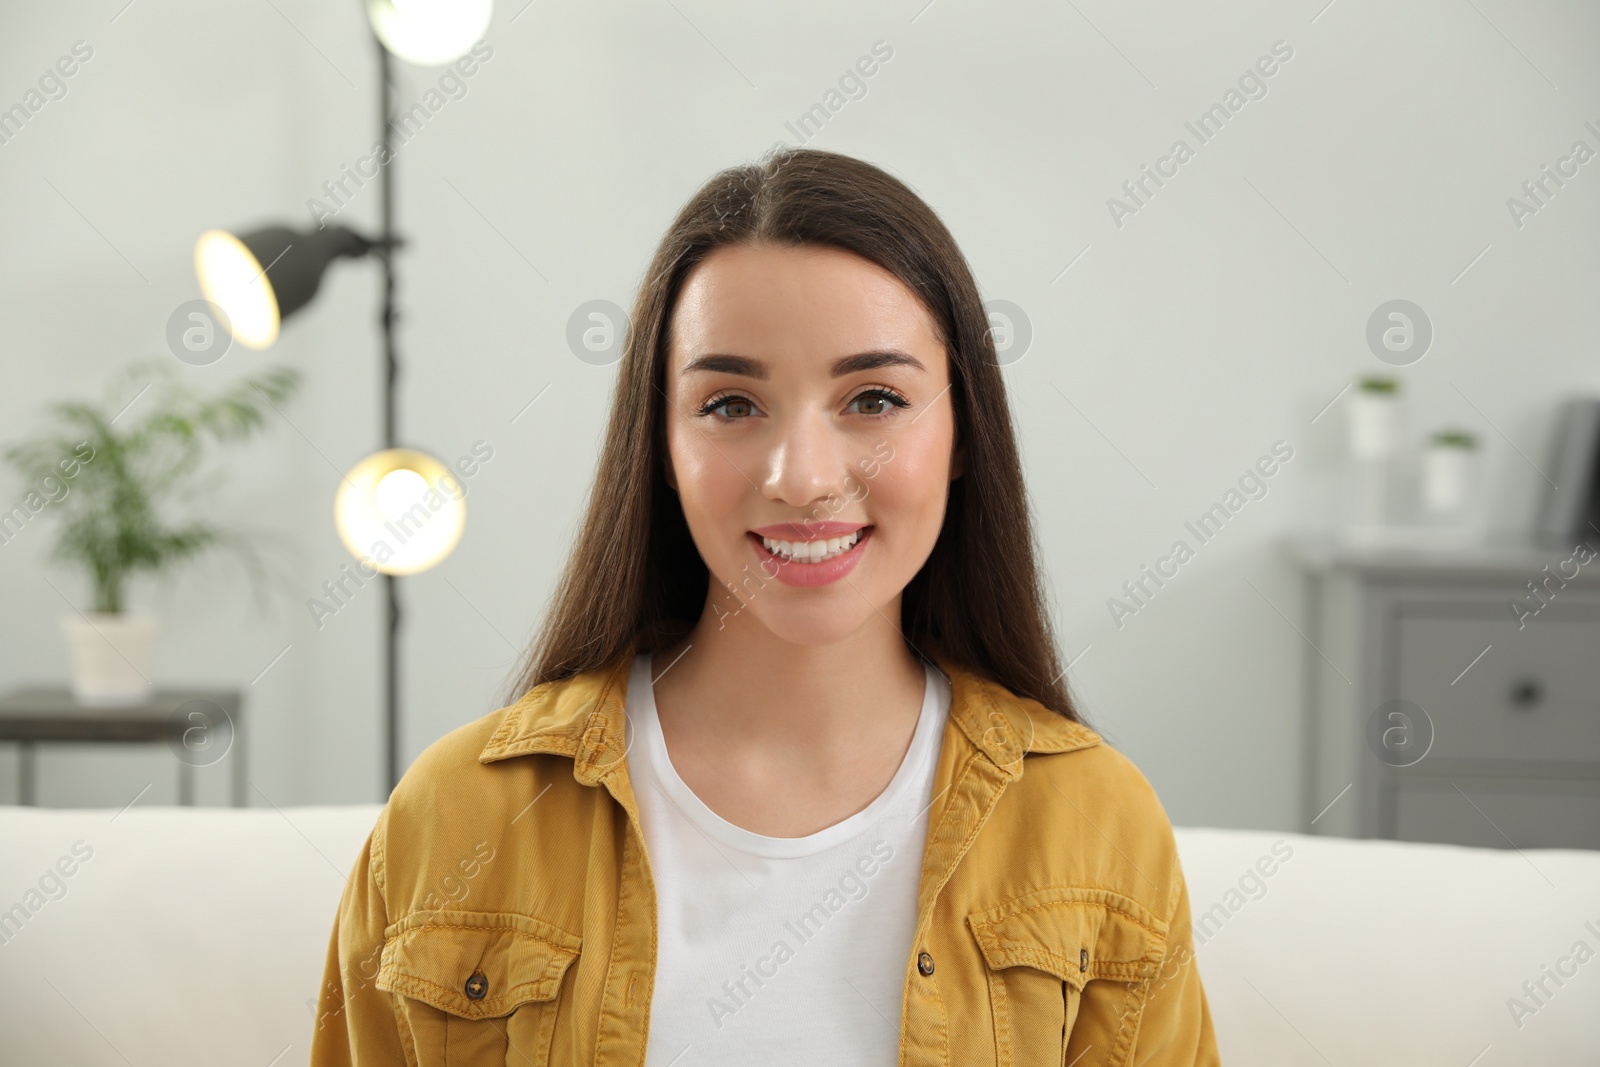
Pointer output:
x,y
110,507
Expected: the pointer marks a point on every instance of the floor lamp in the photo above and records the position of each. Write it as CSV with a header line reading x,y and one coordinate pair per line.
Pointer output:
x,y
262,276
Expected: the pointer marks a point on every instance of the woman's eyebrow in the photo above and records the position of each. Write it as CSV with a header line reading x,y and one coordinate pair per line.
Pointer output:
x,y
754,368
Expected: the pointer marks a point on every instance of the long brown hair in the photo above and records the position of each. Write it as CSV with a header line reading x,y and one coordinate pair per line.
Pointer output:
x,y
635,572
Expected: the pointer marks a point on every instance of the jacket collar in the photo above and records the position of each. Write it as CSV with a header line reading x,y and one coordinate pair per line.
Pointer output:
x,y
583,717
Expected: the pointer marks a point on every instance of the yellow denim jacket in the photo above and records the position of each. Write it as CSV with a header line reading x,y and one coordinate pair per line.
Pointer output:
x,y
503,908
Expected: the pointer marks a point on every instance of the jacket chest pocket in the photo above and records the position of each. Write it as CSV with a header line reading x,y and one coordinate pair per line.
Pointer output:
x,y
476,988
1042,949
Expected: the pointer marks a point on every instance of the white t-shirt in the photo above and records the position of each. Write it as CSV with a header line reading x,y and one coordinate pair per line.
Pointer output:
x,y
780,950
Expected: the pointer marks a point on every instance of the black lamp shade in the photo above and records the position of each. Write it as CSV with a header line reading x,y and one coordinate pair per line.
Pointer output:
x,y
299,259
265,275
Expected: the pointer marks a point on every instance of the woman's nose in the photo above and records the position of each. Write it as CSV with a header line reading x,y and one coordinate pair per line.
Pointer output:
x,y
807,461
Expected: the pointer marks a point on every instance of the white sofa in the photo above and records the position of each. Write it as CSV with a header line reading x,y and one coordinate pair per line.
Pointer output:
x,y
196,936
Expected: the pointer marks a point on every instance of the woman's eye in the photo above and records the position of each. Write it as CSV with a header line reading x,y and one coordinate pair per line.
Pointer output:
x,y
742,405
885,399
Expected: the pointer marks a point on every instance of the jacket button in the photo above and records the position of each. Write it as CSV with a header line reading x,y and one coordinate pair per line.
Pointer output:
x,y
477,986
925,963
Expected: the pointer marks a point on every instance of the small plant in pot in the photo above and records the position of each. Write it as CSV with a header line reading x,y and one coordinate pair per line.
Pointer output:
x,y
108,473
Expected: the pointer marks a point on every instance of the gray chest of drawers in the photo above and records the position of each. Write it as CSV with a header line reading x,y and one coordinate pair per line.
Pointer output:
x,y
1453,695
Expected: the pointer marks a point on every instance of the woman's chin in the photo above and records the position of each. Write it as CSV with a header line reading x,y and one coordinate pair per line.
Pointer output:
x,y
815,625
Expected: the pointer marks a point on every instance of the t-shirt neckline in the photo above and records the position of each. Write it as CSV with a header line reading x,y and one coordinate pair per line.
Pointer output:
x,y
677,791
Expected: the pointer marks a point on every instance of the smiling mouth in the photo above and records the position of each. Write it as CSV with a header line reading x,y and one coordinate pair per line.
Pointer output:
x,y
819,551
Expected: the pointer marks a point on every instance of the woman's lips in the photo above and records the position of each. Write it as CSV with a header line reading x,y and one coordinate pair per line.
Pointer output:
x,y
811,530
809,575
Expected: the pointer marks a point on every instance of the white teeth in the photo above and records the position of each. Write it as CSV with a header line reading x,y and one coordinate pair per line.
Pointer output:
x,y
811,551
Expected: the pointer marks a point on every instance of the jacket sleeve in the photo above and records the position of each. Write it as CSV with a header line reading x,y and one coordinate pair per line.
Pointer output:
x,y
356,1021
1175,1024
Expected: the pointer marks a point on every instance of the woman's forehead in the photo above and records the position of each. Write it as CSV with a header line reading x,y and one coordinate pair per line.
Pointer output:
x,y
802,306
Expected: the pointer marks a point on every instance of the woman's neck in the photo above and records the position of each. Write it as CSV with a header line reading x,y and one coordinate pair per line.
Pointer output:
x,y
782,738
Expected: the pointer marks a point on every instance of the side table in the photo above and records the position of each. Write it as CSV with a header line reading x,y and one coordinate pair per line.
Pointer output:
x,y
1454,692
191,721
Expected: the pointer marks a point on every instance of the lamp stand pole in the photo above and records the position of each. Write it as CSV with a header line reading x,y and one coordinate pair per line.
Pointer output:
x,y
391,643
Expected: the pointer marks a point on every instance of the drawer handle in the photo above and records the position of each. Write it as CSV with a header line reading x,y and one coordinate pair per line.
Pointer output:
x,y
1525,693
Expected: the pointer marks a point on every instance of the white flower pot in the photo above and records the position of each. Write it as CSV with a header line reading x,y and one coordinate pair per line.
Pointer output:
x,y
1447,474
1374,425
110,656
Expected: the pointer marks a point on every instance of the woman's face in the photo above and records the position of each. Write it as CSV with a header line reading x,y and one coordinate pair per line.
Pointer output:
x,y
807,386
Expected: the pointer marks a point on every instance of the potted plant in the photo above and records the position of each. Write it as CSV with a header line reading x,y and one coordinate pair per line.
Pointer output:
x,y
1448,472
1374,418
1374,438
107,473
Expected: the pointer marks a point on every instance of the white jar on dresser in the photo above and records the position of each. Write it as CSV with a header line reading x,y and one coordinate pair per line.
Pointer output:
x,y
1452,693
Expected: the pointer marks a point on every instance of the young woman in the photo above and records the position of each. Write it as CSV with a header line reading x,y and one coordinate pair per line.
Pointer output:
x,y
790,775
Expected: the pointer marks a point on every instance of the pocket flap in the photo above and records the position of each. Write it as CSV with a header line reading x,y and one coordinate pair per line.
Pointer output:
x,y
1074,933
432,956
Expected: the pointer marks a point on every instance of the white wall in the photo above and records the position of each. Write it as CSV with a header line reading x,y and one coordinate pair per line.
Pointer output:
x,y
1220,318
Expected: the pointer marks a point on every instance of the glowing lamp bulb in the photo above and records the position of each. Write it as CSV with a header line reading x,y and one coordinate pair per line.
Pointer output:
x,y
400,511
429,33
231,278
